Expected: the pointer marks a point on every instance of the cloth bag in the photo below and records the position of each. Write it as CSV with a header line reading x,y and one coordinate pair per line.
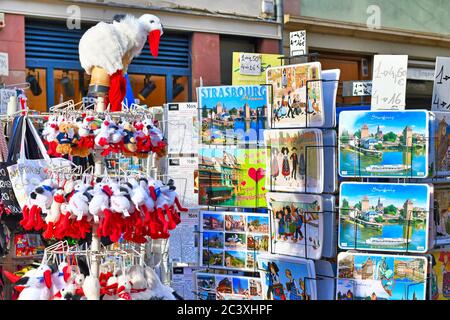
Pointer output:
x,y
27,173
7,195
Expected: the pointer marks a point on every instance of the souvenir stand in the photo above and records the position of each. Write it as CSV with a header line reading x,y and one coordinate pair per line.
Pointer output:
x,y
253,192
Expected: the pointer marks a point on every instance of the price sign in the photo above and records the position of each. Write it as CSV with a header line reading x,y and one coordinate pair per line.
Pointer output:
x,y
250,64
362,88
441,88
389,82
298,43
4,65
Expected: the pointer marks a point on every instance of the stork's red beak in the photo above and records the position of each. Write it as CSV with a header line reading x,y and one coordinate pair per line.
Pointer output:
x,y
19,289
11,276
48,278
66,273
153,41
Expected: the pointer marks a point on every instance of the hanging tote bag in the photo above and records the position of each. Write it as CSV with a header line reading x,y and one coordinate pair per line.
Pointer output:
x,y
27,174
12,212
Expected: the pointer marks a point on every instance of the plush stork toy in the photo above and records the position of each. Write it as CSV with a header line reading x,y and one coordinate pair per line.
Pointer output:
x,y
107,49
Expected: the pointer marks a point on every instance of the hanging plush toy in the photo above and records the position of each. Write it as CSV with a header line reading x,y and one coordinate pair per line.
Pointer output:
x,y
39,202
49,135
129,140
143,141
67,138
38,286
102,135
86,138
107,49
54,215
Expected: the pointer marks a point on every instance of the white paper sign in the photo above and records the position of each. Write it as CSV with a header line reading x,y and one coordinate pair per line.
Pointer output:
x,y
4,65
182,128
362,88
183,171
298,43
184,239
250,64
389,82
441,89
5,95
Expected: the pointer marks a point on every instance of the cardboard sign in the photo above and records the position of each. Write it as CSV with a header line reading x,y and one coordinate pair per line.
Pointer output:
x,y
441,88
250,64
298,43
4,65
389,82
267,61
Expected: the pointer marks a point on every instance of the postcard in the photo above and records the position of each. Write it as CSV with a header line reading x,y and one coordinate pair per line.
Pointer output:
x,y
389,144
381,277
285,278
384,216
442,214
233,240
295,160
232,177
440,275
232,115
441,135
211,286
291,85
297,224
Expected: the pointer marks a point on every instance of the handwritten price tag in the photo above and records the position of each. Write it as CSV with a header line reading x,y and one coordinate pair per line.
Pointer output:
x,y
298,43
4,65
250,64
441,88
389,82
362,88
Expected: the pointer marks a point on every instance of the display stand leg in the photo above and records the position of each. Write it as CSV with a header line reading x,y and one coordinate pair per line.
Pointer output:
x,y
98,171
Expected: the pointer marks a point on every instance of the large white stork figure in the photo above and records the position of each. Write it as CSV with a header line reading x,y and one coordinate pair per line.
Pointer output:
x,y
107,49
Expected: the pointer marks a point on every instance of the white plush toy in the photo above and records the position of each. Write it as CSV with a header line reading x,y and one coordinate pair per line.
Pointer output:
x,y
158,291
108,48
99,201
91,288
38,286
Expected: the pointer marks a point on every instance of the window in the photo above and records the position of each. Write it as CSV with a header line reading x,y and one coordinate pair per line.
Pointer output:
x,y
227,47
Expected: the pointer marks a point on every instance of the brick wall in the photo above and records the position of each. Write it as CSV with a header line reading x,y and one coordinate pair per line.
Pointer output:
x,y
12,41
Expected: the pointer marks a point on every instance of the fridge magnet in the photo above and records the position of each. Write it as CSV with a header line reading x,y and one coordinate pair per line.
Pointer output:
x,y
233,240
291,107
384,216
232,115
381,277
389,144
442,214
212,286
297,224
441,134
295,160
440,280
232,177
285,278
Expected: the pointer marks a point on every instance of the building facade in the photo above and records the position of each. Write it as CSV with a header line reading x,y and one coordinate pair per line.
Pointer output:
x,y
347,33
41,39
